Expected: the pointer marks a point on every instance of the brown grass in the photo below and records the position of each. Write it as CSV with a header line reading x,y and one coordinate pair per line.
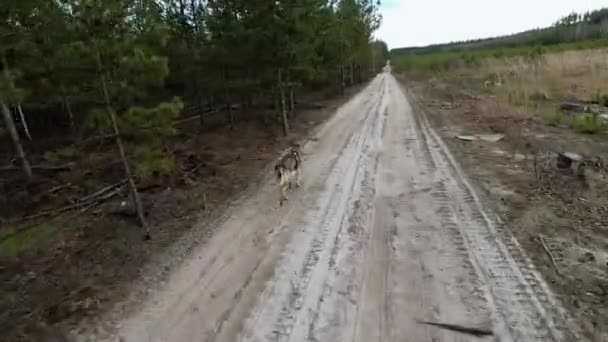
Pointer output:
x,y
572,74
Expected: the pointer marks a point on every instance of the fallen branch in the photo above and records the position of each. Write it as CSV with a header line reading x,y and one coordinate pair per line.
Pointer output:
x,y
53,190
553,261
54,212
197,117
94,198
193,171
96,139
192,118
102,191
103,198
84,206
58,188
66,167
459,328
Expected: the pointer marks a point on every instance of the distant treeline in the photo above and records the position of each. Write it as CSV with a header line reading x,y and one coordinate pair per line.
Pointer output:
x,y
442,61
590,26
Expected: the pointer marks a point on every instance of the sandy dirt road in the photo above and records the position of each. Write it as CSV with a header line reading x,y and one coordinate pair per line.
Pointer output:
x,y
385,232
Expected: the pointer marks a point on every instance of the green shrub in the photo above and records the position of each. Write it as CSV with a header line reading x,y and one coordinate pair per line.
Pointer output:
x,y
604,100
61,155
554,118
152,161
588,124
13,243
600,99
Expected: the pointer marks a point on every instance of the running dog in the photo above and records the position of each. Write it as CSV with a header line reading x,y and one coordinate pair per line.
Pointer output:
x,y
287,169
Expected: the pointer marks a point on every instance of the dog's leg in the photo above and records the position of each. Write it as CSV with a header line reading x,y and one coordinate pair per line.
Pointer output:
x,y
283,187
298,178
284,193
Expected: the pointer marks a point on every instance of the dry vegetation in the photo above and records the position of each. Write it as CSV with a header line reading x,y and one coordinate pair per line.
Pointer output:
x,y
581,75
559,216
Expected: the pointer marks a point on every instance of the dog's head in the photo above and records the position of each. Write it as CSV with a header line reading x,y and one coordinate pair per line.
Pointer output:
x,y
278,170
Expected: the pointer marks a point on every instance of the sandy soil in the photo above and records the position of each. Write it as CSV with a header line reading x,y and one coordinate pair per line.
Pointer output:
x,y
385,232
558,216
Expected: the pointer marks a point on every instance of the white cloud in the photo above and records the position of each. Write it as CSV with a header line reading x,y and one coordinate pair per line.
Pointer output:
x,y
423,22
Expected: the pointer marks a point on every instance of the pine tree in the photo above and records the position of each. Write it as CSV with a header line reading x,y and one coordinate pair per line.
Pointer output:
x,y
188,49
107,57
228,44
13,39
119,38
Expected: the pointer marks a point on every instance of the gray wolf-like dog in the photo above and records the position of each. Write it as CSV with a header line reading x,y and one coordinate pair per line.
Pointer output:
x,y
287,171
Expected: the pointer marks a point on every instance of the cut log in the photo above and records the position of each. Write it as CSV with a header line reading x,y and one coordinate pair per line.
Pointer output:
x,y
575,107
566,159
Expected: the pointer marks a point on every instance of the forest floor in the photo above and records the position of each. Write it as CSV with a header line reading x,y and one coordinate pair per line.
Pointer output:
x,y
63,268
507,139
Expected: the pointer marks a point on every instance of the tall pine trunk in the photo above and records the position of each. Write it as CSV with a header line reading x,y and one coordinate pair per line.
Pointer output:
x,y
230,112
342,79
277,105
292,99
283,105
373,69
24,123
352,74
228,99
12,131
199,103
67,107
200,108
121,149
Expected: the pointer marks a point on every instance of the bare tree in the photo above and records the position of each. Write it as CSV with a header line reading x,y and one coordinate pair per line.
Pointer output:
x,y
12,131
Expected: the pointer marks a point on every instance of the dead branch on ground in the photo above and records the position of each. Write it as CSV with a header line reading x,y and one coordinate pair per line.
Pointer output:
x,y
94,198
548,251
83,204
102,191
193,171
58,188
460,328
66,167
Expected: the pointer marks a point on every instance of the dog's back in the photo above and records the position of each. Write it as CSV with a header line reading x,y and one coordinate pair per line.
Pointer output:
x,y
286,169
290,162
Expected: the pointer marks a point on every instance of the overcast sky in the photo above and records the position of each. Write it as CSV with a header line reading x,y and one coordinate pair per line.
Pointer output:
x,y
423,22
